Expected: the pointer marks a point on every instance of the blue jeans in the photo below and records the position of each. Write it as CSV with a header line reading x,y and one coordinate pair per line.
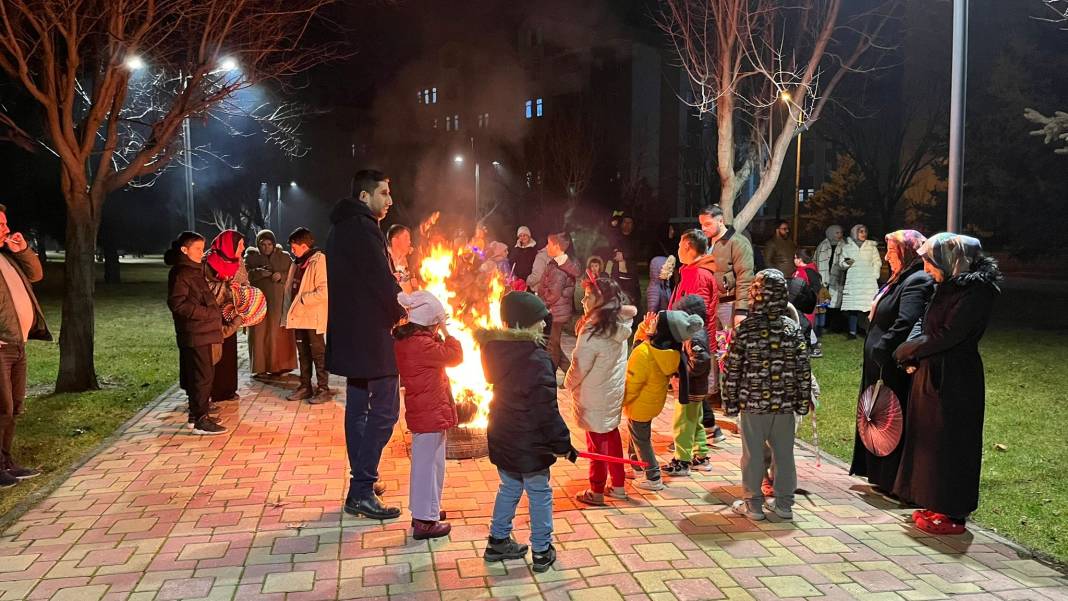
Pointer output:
x,y
854,321
371,410
540,498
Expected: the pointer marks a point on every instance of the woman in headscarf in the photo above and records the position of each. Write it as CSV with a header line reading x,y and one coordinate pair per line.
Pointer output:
x,y
895,311
858,258
942,450
830,274
271,347
223,268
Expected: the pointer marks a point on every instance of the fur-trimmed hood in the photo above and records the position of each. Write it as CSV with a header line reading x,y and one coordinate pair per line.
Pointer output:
x,y
487,335
984,271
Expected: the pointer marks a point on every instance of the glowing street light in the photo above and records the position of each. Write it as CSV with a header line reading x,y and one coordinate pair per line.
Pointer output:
x,y
496,163
458,159
228,63
134,62
785,97
292,184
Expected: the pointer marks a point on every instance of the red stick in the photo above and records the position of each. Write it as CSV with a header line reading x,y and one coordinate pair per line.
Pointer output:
x,y
612,459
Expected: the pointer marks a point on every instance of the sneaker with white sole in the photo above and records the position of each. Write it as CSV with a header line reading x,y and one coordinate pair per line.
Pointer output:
x,y
742,508
677,467
717,436
784,514
653,485
616,492
701,464
206,426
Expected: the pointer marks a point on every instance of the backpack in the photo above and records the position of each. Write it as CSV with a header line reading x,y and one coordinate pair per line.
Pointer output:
x,y
805,298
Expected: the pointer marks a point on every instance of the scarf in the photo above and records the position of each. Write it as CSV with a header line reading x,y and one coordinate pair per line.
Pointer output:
x,y
853,231
952,254
222,257
301,264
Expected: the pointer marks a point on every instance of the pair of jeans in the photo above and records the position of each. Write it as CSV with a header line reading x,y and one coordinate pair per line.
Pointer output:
x,y
690,437
641,445
821,323
539,498
556,349
776,431
12,395
311,351
372,407
427,475
195,375
607,443
854,320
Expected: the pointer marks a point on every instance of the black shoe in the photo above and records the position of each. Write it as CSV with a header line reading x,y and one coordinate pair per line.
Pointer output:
x,y
379,489
543,560
206,426
500,549
851,336
7,480
22,473
372,508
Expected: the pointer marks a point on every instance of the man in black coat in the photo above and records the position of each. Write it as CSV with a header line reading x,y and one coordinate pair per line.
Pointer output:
x,y
361,313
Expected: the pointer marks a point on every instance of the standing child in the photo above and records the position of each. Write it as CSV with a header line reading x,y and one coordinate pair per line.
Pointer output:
x,y
769,381
597,379
429,411
691,442
649,368
197,326
525,433
304,308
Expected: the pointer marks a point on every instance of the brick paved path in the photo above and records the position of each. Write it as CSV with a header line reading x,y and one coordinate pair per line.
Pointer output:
x,y
255,514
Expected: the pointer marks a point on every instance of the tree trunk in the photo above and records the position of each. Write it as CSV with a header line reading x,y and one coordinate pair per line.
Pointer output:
x,y
77,371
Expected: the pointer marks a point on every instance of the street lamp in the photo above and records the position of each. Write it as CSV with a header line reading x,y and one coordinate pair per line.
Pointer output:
x,y
292,186
786,99
458,159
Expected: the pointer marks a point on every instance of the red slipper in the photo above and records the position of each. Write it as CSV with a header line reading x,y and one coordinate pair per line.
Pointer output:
x,y
920,513
939,524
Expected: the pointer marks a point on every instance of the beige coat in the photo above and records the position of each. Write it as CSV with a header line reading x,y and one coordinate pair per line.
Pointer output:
x,y
308,310
862,277
598,376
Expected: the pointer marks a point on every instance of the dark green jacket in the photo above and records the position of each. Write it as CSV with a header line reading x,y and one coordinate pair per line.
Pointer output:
x,y
29,268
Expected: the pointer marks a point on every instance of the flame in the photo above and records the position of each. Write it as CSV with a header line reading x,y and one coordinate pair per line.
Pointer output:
x,y
472,299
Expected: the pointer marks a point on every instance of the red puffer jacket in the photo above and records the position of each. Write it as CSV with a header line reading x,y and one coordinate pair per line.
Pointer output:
x,y
421,361
700,278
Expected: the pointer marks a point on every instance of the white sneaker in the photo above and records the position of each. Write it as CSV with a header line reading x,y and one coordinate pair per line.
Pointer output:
x,y
701,464
784,514
616,493
742,508
653,485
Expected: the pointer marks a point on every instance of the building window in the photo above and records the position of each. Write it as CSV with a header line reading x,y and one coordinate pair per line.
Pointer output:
x,y
456,122
433,95
530,111
535,108
448,123
539,104
483,120
426,96
435,123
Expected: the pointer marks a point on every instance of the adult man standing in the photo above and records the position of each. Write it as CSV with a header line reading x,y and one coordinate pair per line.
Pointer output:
x,y
361,313
21,320
780,249
556,286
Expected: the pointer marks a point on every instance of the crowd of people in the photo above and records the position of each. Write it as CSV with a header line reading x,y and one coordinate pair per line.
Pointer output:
x,y
720,326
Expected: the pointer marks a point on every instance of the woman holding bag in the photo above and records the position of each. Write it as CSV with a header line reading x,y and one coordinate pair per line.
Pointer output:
x,y
223,268
896,309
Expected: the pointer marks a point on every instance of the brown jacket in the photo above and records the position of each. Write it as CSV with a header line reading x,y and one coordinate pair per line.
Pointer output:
x,y
734,268
29,268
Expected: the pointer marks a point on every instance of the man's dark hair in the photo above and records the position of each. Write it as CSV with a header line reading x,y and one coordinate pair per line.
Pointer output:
x,y
562,239
302,235
3,209
697,239
366,180
395,230
781,223
711,211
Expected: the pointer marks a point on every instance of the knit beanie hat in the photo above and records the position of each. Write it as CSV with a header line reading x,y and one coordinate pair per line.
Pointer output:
x,y
522,230
692,304
265,235
522,310
424,309
682,325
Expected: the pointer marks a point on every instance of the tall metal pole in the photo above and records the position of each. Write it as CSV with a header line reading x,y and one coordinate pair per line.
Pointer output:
x,y
797,182
279,226
959,79
190,207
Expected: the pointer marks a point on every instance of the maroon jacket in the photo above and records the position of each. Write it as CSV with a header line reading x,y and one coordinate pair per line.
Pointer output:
x,y
421,361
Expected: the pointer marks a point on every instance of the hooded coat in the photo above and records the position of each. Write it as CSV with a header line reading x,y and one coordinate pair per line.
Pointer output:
x,y
557,288
525,431
362,308
768,369
648,371
197,319
421,360
942,450
658,293
271,346
830,272
598,375
700,278
862,278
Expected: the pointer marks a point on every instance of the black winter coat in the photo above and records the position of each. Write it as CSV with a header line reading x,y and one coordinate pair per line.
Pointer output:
x,y
197,317
942,450
525,431
895,316
522,261
362,308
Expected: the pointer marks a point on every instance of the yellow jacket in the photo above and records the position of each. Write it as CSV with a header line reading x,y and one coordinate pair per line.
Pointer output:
x,y
648,370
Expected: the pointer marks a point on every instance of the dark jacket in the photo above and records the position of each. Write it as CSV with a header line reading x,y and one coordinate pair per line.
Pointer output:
x,y
29,268
362,307
557,288
898,310
421,360
734,268
522,260
525,431
197,317
779,254
942,450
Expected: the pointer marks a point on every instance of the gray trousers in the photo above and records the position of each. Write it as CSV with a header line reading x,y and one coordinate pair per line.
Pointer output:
x,y
776,430
427,475
641,447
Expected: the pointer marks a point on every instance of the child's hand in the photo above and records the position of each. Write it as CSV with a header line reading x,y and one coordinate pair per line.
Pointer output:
x,y
649,323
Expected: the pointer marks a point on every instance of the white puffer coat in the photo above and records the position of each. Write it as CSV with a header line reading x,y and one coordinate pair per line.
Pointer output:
x,y
598,376
831,275
862,278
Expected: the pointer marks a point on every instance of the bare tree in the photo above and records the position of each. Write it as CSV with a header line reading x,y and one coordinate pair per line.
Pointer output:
x,y
744,58
1054,128
114,80
569,144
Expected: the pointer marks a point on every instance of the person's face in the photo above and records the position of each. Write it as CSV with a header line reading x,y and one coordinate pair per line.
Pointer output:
x,y
380,201
589,301
524,238
195,251
862,234
799,262
266,246
783,230
5,230
935,272
240,248
687,253
838,234
298,249
711,226
627,226
553,249
595,268
402,243
893,257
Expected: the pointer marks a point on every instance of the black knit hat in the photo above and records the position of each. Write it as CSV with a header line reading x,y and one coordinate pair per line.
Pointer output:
x,y
522,310
692,304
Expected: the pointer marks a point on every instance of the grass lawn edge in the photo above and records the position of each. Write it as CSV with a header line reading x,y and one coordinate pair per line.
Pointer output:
x,y
31,500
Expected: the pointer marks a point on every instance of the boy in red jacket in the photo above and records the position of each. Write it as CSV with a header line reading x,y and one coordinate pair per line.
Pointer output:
x,y
422,356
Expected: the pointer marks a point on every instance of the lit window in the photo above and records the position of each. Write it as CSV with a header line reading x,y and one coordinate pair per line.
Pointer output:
x,y
448,123
530,112
456,122
434,95
539,112
419,96
435,123
426,96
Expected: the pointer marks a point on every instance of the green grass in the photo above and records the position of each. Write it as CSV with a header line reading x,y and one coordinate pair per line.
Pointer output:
x,y
136,360
1024,492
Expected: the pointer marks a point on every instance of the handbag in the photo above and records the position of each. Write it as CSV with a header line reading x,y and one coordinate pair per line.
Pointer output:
x,y
251,304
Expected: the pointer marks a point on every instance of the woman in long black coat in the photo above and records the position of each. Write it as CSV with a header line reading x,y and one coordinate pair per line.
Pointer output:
x,y
943,445
897,308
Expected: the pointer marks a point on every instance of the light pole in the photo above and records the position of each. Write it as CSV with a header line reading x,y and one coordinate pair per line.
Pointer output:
x,y
958,77
190,208
459,160
797,169
279,225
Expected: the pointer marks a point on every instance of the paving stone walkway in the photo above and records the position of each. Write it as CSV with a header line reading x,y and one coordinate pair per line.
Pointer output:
x,y
255,514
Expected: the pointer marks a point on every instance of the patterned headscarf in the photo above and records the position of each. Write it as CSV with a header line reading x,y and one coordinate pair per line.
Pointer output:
x,y
222,257
768,294
905,244
952,254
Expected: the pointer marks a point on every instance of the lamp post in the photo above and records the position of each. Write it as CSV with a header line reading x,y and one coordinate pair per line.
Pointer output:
x,y
958,78
797,168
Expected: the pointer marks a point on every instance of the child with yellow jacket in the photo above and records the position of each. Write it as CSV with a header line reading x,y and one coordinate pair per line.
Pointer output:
x,y
650,367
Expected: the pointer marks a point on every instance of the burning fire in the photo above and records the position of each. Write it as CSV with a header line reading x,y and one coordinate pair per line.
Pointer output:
x,y
472,298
